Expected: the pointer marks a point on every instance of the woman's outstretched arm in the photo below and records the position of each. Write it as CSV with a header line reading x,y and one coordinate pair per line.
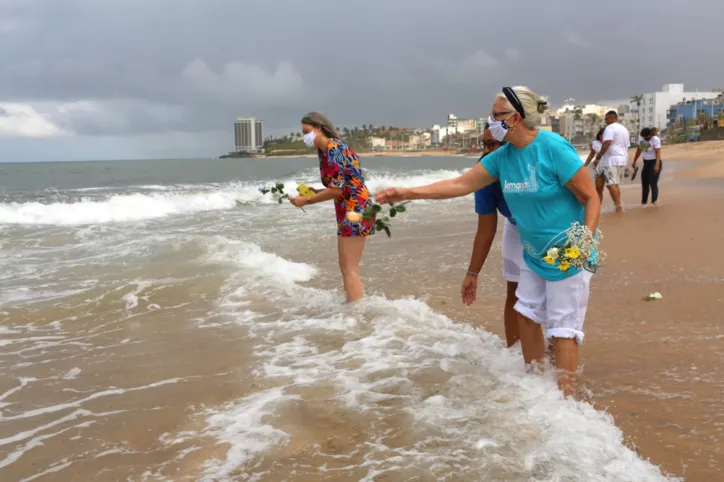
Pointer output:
x,y
476,178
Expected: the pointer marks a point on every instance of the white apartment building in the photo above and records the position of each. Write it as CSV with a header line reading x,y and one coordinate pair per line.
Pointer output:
x,y
655,105
377,142
248,134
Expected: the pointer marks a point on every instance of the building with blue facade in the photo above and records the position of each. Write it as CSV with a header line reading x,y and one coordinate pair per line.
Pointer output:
x,y
693,112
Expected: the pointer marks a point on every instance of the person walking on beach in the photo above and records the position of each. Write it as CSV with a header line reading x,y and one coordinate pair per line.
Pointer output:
x,y
650,150
547,189
595,149
612,159
488,202
344,183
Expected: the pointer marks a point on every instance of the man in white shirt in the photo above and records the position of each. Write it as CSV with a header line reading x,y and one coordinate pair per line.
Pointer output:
x,y
612,159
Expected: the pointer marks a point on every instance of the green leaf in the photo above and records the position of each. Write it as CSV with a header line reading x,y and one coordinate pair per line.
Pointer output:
x,y
386,219
280,186
280,200
379,225
400,209
393,213
387,231
376,208
274,190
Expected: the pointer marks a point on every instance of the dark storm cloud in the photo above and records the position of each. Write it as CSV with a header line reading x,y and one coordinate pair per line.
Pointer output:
x,y
182,65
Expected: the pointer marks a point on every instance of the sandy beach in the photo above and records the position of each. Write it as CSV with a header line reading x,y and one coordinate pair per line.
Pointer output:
x,y
193,331
656,366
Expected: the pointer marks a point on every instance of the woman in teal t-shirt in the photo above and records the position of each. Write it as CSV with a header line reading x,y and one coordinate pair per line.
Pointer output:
x,y
547,189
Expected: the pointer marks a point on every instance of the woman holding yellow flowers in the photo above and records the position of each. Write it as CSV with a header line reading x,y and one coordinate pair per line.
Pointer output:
x,y
556,209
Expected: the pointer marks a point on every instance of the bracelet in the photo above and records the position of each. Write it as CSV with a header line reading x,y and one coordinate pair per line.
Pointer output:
x,y
470,273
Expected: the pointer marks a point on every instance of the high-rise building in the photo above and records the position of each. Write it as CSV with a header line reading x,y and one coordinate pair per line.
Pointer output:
x,y
248,134
654,108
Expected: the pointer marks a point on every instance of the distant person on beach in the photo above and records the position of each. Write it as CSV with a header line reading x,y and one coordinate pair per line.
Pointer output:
x,y
612,159
650,150
595,149
344,183
547,189
489,201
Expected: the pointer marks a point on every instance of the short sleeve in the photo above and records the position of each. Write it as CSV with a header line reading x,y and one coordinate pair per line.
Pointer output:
x,y
335,168
485,200
656,142
565,161
491,162
608,133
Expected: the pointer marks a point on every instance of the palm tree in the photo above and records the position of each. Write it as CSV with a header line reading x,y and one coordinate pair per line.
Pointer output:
x,y
593,119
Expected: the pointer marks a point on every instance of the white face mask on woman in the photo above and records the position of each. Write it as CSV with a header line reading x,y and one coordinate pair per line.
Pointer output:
x,y
499,128
309,138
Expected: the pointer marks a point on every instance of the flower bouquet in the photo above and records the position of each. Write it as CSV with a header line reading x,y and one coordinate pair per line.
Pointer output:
x,y
578,250
278,190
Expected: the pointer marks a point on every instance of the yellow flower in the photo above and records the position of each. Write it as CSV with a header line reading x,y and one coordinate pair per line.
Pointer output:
x,y
549,260
565,266
572,253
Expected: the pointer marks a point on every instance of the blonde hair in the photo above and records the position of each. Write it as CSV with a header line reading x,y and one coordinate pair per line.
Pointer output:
x,y
533,106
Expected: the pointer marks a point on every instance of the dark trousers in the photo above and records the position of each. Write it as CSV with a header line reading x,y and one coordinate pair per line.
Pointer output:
x,y
650,180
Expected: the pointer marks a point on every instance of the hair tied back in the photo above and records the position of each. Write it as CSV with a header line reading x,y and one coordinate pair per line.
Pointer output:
x,y
542,106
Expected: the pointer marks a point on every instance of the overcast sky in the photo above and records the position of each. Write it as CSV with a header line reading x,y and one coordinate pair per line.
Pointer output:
x,y
99,79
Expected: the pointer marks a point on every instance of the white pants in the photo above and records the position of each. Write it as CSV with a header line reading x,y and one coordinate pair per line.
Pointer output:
x,y
512,252
560,306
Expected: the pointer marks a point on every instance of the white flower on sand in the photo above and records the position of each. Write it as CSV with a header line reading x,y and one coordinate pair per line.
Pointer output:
x,y
553,253
656,296
353,217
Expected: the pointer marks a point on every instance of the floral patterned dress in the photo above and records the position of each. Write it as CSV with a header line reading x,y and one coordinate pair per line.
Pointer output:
x,y
339,167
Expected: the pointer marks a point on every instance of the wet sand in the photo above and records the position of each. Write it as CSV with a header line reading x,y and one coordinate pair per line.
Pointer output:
x,y
149,377
655,366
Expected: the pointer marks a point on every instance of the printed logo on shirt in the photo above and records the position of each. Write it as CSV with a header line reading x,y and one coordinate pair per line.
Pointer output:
x,y
529,185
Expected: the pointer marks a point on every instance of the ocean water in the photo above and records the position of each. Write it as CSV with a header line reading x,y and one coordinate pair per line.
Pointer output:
x,y
163,320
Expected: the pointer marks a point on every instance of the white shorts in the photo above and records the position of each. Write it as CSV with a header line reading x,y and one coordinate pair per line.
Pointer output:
x,y
560,306
512,252
612,174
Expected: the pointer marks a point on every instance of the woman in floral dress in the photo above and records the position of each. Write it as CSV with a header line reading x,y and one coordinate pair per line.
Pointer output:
x,y
344,183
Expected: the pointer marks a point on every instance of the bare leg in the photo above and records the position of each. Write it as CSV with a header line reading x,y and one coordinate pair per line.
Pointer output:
x,y
600,183
615,192
532,341
510,316
350,253
566,360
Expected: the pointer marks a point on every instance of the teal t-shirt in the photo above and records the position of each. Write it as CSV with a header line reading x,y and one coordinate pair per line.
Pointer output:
x,y
534,186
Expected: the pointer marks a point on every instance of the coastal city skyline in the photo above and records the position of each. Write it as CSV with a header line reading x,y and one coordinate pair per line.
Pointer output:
x,y
670,108
93,96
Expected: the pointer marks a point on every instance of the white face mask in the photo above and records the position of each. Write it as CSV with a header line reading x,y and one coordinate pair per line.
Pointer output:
x,y
309,138
499,129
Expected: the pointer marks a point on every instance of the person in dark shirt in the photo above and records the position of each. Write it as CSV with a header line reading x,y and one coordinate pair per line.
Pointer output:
x,y
488,203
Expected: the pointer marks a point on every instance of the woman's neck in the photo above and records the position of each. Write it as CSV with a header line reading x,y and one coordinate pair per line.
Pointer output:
x,y
522,137
323,142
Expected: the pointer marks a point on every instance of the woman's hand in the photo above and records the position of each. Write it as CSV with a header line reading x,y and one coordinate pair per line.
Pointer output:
x,y
391,195
299,201
657,168
469,290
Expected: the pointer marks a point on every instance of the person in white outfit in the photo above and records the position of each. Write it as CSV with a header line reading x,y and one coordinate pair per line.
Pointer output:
x,y
612,159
